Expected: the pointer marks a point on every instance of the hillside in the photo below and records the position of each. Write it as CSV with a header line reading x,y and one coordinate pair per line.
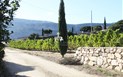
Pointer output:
x,y
23,28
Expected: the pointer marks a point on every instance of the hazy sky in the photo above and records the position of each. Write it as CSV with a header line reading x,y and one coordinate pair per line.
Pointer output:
x,y
77,11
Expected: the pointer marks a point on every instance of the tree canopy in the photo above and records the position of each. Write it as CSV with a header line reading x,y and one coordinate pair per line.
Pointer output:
x,y
97,28
117,25
7,9
86,29
63,45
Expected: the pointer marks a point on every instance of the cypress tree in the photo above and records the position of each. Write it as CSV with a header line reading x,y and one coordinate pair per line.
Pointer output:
x,y
42,32
104,23
63,45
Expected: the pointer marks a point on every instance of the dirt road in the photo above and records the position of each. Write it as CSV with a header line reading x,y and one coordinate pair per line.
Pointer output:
x,y
25,65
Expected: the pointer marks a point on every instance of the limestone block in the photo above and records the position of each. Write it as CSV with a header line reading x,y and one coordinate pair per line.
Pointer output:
x,y
86,59
102,49
109,61
117,55
107,50
114,63
84,51
122,70
79,49
121,54
120,60
104,60
110,67
112,50
96,54
77,52
91,63
121,66
106,65
99,61
82,59
111,56
104,54
98,50
119,50
93,59
117,68
91,50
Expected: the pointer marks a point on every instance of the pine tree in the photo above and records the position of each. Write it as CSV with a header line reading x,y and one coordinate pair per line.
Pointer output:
x,y
104,23
62,29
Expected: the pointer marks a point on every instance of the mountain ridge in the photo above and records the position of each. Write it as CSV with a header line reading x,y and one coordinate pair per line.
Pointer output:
x,y
25,27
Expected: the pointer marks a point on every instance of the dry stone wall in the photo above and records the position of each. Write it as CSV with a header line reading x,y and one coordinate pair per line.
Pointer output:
x,y
105,57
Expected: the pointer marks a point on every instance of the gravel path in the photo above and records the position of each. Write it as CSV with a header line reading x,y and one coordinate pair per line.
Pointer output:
x,y
25,65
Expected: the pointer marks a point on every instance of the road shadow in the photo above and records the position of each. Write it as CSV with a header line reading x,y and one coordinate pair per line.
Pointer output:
x,y
13,69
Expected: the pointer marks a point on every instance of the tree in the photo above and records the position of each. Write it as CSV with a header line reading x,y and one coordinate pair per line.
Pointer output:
x,y
63,44
97,28
72,30
47,31
105,23
42,32
86,29
33,36
7,9
117,25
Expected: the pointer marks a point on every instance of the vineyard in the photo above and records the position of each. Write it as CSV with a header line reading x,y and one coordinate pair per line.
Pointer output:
x,y
107,38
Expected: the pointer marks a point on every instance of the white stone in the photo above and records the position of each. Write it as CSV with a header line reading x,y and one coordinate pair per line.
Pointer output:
x,y
84,52
119,50
111,56
99,61
121,54
109,61
117,68
121,70
79,49
110,67
96,54
114,62
103,50
105,66
120,60
104,54
117,55
82,59
112,50
91,51
104,60
121,66
78,52
86,58
98,50
91,63
107,50
93,59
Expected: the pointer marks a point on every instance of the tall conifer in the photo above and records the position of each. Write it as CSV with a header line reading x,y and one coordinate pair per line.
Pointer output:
x,y
62,29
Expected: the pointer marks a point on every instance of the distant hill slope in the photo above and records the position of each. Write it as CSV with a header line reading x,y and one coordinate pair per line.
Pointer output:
x,y
23,27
